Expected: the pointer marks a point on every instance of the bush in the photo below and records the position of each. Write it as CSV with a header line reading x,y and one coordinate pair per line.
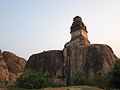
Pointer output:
x,y
32,79
79,79
102,79
111,79
115,81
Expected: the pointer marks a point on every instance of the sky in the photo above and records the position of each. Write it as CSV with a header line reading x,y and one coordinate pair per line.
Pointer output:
x,y
32,26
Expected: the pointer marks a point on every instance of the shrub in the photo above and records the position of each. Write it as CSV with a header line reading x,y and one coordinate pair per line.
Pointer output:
x,y
111,79
115,81
102,79
79,79
33,79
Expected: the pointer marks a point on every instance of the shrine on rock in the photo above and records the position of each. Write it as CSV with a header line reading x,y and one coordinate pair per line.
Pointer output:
x,y
79,32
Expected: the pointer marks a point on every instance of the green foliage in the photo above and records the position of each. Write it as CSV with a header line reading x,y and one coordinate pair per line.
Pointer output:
x,y
111,79
79,79
115,82
33,79
102,79
2,84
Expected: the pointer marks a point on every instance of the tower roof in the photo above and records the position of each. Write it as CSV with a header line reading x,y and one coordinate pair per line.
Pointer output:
x,y
77,24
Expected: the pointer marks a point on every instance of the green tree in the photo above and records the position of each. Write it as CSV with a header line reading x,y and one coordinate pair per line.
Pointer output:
x,y
33,79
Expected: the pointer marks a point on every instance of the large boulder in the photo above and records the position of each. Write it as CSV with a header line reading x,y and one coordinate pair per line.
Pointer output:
x,y
14,63
3,68
62,65
50,62
11,66
88,59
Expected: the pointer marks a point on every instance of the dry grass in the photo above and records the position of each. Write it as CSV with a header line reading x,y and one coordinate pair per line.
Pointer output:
x,y
74,88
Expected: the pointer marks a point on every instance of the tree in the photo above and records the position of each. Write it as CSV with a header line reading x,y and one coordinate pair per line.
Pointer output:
x,y
32,79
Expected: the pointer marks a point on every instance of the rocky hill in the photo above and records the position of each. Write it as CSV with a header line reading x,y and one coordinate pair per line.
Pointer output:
x,y
61,65
11,66
77,56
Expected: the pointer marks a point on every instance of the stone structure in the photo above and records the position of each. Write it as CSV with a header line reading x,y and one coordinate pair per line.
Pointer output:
x,y
78,55
79,32
11,66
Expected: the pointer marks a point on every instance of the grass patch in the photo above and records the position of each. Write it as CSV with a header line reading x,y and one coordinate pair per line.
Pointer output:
x,y
61,88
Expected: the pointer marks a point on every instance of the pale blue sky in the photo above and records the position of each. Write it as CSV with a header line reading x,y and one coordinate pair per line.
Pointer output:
x,y
32,26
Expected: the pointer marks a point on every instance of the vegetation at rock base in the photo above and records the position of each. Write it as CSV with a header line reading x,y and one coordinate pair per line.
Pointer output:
x,y
2,85
32,79
115,81
102,79
79,79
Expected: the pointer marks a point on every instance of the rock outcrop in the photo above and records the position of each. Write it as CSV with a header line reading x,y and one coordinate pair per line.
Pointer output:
x,y
14,63
3,68
88,59
77,56
11,66
50,62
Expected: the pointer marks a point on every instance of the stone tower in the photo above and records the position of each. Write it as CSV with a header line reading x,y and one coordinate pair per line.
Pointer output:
x,y
79,32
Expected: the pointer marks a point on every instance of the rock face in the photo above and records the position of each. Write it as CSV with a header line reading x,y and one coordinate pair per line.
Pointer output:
x,y
14,63
73,59
88,59
3,68
50,62
11,66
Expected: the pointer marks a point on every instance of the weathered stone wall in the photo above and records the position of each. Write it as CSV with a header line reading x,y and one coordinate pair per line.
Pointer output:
x,y
89,59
